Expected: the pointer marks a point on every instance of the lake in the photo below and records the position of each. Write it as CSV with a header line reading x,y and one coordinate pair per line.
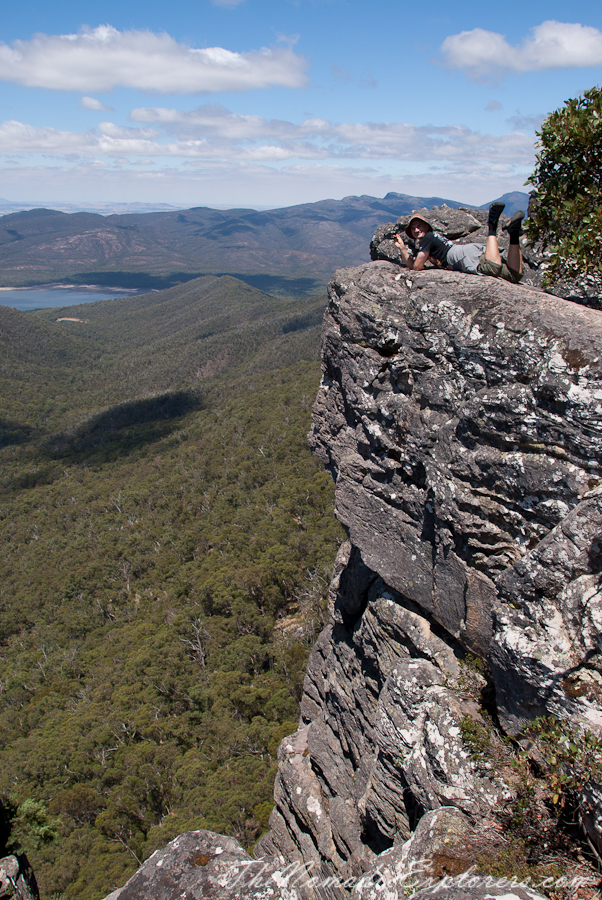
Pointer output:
x,y
48,297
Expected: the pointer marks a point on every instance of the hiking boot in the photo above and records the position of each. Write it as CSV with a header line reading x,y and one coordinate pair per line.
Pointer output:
x,y
513,226
495,211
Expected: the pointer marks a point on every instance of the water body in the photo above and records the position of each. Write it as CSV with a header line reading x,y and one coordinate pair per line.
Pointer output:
x,y
47,297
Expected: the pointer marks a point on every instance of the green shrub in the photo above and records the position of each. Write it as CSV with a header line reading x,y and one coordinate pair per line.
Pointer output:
x,y
566,211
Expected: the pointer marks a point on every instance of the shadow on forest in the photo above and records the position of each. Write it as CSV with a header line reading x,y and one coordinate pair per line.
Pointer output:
x,y
270,284
281,284
126,426
132,280
311,318
13,433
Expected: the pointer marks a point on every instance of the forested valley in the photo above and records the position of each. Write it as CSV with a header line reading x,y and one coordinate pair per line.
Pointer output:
x,y
166,541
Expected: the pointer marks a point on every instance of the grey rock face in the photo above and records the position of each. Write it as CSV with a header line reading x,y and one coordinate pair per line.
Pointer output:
x,y
461,419
545,652
458,415
17,879
382,741
202,865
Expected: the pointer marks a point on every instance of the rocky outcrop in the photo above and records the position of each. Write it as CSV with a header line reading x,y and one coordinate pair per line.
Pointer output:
x,y
202,864
465,225
461,418
17,879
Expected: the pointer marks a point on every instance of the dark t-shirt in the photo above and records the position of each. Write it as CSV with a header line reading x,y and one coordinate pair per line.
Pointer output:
x,y
435,245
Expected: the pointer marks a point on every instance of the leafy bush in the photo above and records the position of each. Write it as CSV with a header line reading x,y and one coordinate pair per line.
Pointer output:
x,y
545,770
566,211
569,758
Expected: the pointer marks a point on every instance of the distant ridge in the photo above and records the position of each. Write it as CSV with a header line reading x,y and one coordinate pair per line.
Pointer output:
x,y
293,250
514,201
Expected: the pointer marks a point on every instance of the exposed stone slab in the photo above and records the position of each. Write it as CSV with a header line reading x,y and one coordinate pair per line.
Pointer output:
x,y
547,640
202,865
460,417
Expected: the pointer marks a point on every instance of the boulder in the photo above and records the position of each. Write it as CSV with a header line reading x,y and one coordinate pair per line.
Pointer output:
x,y
202,865
443,846
17,879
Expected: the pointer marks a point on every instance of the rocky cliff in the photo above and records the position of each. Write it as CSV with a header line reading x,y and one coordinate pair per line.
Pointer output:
x,y
461,419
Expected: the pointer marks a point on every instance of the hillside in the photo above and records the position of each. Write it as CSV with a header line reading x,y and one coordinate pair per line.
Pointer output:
x,y
165,544
292,250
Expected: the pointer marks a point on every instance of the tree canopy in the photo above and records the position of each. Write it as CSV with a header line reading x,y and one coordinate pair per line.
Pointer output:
x,y
166,541
566,212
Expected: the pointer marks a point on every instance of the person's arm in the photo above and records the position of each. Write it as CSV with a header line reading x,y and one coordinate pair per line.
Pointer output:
x,y
415,264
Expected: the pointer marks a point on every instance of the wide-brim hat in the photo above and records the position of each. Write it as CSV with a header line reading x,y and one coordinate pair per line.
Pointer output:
x,y
414,219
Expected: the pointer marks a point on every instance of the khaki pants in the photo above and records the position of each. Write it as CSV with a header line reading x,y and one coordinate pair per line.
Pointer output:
x,y
486,267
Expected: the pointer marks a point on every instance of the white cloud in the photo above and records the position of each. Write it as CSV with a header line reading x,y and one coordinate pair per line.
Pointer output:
x,y
214,133
103,58
527,123
114,141
16,137
410,142
117,131
227,4
214,120
94,105
552,45
213,125
493,106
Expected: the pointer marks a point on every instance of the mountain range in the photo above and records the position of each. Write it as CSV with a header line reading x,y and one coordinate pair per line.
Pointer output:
x,y
293,250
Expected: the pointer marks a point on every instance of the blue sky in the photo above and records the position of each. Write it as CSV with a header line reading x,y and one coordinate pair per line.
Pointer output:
x,y
264,104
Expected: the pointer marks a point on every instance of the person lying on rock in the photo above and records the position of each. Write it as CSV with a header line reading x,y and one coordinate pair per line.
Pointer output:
x,y
476,259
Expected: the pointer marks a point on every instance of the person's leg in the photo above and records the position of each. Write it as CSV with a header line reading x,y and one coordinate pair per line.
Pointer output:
x,y
492,250
515,256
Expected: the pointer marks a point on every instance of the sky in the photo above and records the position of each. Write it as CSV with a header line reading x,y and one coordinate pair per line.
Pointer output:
x,y
271,103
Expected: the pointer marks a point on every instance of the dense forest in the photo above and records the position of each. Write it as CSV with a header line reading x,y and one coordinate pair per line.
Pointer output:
x,y
166,541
